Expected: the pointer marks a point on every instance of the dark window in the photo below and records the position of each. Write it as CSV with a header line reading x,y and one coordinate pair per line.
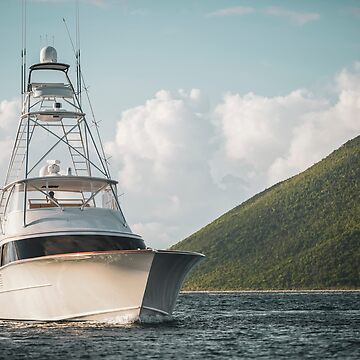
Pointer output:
x,y
9,253
65,244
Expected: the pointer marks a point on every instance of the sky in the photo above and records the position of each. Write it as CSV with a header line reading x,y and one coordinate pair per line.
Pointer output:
x,y
202,103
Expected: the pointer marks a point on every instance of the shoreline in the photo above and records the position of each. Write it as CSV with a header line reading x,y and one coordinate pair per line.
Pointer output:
x,y
267,291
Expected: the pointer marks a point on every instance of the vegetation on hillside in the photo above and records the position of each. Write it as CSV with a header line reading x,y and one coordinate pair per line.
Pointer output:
x,y
303,233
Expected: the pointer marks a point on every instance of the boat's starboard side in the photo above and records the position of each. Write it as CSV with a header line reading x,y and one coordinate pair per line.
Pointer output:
x,y
75,286
122,286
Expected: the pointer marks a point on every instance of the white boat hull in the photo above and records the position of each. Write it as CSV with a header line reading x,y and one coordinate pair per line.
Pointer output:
x,y
121,286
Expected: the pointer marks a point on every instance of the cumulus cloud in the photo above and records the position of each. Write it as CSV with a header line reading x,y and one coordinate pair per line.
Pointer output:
x,y
9,113
182,164
158,234
9,117
161,150
322,131
274,138
256,130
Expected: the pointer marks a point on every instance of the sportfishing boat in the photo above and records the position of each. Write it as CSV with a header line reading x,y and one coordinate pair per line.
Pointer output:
x,y
67,252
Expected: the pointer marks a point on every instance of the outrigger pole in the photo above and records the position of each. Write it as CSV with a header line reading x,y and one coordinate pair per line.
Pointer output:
x,y
80,81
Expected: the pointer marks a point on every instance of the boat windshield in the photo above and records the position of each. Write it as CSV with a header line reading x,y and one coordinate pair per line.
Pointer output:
x,y
62,191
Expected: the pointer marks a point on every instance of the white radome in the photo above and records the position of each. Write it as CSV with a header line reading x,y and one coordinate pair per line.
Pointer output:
x,y
48,54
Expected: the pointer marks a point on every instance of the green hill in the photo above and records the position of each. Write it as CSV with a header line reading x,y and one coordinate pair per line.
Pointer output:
x,y
303,233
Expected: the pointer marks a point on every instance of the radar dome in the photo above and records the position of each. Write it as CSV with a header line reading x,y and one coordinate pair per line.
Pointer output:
x,y
48,54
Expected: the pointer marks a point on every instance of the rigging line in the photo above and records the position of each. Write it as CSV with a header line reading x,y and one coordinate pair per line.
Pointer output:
x,y
94,122
68,32
58,137
75,54
53,147
82,80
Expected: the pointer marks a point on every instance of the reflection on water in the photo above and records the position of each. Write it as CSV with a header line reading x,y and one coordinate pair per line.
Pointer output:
x,y
230,325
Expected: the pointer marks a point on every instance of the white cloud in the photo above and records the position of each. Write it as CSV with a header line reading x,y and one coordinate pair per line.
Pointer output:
x,y
162,234
255,131
322,131
296,17
9,113
236,10
269,139
161,150
181,164
9,118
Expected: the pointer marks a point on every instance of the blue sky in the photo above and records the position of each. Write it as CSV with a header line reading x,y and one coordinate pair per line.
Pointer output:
x,y
131,49
256,90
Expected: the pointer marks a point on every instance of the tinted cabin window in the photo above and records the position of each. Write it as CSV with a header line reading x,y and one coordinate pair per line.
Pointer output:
x,y
9,253
53,245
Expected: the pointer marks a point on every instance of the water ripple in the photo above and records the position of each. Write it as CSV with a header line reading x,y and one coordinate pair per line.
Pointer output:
x,y
209,326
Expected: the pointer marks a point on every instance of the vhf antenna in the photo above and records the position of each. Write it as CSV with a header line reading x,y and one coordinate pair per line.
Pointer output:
x,y
76,52
77,55
23,49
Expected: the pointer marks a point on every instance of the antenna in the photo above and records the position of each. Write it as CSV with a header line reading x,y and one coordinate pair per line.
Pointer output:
x,y
23,49
77,55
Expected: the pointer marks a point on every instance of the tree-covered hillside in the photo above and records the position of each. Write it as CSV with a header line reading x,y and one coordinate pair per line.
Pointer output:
x,y
303,233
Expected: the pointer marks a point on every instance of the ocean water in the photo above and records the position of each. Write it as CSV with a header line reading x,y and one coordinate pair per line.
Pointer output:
x,y
206,326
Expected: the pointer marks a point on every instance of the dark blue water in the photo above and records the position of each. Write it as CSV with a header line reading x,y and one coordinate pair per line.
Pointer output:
x,y
206,326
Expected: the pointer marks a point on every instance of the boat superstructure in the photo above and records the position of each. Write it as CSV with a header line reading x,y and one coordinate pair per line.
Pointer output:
x,y
67,252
